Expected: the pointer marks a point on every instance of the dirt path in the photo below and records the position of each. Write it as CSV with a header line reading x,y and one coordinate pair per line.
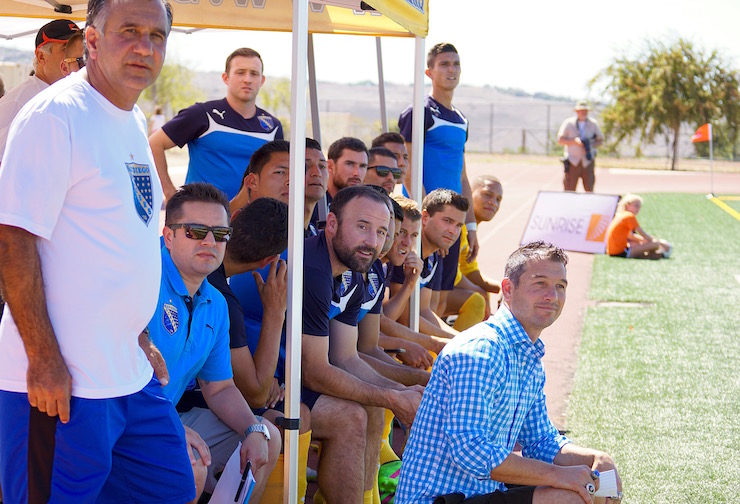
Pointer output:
x,y
502,235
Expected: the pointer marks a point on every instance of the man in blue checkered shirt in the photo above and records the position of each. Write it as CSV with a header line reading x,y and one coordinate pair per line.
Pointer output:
x,y
486,394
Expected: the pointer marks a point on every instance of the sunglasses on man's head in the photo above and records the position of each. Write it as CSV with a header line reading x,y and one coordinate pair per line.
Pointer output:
x,y
383,171
80,61
199,231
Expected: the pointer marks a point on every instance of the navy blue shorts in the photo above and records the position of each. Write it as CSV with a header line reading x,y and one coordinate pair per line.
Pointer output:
x,y
449,267
124,450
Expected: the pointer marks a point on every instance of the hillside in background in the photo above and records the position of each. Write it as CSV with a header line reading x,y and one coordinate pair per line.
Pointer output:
x,y
354,109
501,120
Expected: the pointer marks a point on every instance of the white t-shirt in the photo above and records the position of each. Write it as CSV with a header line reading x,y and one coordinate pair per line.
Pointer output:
x,y
80,176
13,101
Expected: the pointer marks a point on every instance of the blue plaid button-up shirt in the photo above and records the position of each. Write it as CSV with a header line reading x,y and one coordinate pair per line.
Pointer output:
x,y
484,395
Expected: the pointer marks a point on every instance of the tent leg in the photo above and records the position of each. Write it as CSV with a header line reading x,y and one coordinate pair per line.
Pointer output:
x,y
313,91
295,247
381,87
417,157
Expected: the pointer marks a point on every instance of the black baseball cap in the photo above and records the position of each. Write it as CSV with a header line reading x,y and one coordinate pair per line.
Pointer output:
x,y
59,30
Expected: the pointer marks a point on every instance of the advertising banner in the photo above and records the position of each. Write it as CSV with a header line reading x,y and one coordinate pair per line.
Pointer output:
x,y
572,221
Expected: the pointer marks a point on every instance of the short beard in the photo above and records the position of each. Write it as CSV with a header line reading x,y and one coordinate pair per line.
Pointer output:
x,y
348,256
338,184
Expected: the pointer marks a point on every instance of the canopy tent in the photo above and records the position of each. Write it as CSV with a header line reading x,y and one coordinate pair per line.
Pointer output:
x,y
400,18
353,17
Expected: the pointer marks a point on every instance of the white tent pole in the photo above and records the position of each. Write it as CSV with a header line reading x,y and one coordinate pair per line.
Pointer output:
x,y
295,246
381,87
711,159
417,158
313,91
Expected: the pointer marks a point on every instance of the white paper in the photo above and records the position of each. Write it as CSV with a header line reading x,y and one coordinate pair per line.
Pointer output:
x,y
607,484
228,484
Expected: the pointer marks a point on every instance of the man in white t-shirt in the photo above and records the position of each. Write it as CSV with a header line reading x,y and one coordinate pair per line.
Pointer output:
x,y
48,65
81,417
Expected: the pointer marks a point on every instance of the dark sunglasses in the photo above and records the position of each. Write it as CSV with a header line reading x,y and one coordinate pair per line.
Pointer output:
x,y
80,61
199,231
383,171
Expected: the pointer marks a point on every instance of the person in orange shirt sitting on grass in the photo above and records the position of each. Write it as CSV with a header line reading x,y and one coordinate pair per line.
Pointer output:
x,y
625,237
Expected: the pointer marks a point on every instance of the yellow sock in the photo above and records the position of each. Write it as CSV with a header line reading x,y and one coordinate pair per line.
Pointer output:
x,y
471,312
274,487
304,441
386,451
367,497
318,497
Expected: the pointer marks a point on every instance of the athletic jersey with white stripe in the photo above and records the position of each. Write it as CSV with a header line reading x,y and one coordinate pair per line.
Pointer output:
x,y
220,141
445,134
431,273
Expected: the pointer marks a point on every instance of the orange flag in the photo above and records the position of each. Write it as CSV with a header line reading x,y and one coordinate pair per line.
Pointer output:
x,y
701,135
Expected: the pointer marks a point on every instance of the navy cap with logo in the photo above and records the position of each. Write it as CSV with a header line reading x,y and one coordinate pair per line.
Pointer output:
x,y
59,30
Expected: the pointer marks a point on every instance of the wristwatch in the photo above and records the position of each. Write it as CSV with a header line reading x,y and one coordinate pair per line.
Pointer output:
x,y
261,428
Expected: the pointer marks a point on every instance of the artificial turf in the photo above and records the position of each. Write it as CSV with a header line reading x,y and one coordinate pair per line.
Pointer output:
x,y
658,377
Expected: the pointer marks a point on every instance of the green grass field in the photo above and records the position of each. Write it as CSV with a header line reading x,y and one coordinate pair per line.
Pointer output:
x,y
658,379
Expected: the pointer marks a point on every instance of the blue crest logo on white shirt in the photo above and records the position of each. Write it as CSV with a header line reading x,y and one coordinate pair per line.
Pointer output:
x,y
170,319
266,122
141,180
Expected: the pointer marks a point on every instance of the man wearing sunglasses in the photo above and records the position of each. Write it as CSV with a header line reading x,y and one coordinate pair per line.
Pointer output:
x,y
191,329
73,55
48,66
395,143
382,169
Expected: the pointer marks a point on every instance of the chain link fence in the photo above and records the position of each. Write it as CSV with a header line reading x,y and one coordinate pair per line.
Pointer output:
x,y
499,127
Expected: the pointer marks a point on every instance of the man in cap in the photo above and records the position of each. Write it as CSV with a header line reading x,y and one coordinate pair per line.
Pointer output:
x,y
48,64
580,135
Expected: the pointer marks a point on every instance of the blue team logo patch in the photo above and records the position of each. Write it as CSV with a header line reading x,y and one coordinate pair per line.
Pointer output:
x,y
346,282
170,319
266,122
373,284
141,180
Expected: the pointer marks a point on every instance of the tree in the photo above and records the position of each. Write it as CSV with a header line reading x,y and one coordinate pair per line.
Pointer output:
x,y
275,97
173,90
663,88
